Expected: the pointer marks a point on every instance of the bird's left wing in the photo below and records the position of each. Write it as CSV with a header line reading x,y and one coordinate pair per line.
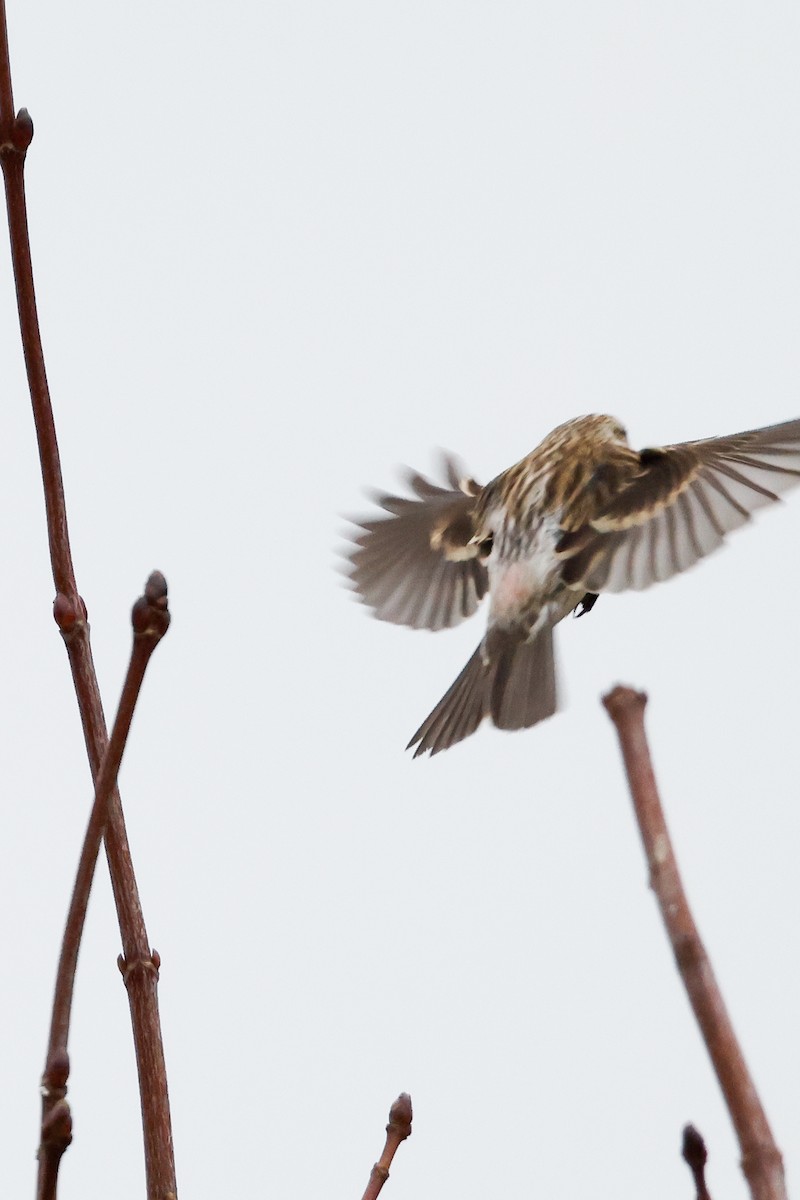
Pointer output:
x,y
418,565
677,506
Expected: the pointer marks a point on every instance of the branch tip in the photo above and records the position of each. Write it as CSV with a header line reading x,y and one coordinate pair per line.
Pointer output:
x,y
693,1148
155,589
150,615
622,700
400,1116
398,1129
695,1154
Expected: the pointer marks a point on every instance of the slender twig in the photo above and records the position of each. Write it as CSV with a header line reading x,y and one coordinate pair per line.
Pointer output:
x,y
761,1159
16,134
398,1129
6,90
695,1154
70,613
150,620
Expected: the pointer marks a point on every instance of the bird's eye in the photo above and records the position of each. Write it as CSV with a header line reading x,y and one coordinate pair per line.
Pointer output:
x,y
485,547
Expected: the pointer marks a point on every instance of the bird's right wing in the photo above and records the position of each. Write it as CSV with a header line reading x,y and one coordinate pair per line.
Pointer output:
x,y
678,505
418,565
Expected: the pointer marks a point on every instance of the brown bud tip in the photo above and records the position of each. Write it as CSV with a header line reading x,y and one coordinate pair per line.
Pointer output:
x,y
694,1148
56,1073
150,613
155,590
68,611
122,964
623,699
400,1115
22,131
155,958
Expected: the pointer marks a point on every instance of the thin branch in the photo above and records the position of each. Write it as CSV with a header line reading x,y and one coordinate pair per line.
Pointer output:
x,y
398,1129
6,90
69,610
695,1154
150,620
140,963
15,138
761,1159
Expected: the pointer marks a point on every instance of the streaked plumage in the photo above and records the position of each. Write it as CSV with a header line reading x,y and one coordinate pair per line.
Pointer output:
x,y
582,514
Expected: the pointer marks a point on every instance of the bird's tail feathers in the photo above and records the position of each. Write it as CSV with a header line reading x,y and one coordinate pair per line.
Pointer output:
x,y
510,680
524,690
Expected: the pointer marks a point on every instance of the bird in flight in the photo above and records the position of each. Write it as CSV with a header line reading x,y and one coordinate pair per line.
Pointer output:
x,y
582,514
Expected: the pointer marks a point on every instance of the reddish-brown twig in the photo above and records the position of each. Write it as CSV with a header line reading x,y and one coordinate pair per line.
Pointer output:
x,y
398,1129
761,1159
695,1154
16,133
150,620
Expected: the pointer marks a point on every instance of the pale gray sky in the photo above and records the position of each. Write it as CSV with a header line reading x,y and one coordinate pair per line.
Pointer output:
x,y
281,248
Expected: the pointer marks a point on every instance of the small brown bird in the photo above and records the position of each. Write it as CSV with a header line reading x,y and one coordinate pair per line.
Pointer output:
x,y
581,515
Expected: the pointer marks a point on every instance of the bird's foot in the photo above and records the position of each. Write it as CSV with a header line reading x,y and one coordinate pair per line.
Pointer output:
x,y
587,604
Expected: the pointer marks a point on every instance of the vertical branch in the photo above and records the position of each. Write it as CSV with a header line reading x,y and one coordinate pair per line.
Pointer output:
x,y
140,967
761,1159
6,90
16,134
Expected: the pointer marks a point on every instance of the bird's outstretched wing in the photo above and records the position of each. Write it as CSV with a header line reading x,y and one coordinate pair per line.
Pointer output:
x,y
677,506
416,566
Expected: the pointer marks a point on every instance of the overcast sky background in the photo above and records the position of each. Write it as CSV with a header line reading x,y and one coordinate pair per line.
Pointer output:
x,y
281,248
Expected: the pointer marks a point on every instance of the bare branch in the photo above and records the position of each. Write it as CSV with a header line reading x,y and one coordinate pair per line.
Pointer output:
x,y
150,620
6,90
69,610
761,1160
398,1129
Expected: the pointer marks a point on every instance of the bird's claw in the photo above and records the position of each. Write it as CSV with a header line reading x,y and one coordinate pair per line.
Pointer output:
x,y
587,604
